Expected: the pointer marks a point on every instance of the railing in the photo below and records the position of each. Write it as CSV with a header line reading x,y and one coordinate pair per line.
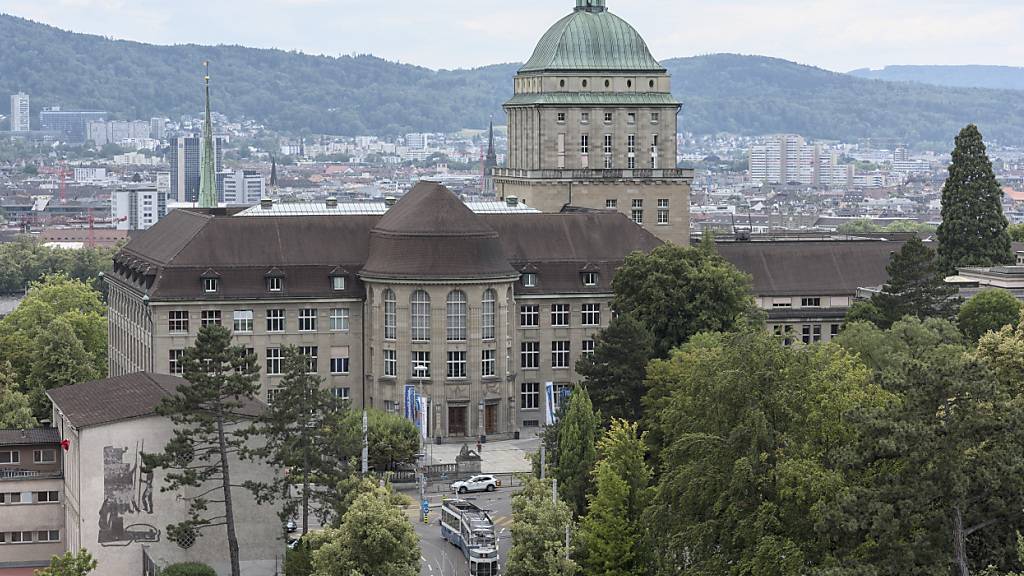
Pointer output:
x,y
594,174
23,474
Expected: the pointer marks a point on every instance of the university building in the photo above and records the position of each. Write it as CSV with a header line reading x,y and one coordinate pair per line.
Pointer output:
x,y
476,308
592,124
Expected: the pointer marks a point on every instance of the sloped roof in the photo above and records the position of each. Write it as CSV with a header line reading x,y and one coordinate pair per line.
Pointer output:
x,y
120,398
592,39
827,268
32,436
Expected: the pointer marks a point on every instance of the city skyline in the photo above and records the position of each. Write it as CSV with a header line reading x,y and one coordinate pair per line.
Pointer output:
x,y
875,35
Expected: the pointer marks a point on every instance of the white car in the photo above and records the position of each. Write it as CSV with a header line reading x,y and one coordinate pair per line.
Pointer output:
x,y
481,483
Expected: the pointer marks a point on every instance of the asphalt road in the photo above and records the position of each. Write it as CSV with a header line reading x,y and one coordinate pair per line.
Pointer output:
x,y
440,558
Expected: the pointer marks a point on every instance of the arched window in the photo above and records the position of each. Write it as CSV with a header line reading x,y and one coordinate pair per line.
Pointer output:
x,y
390,315
420,312
487,315
456,316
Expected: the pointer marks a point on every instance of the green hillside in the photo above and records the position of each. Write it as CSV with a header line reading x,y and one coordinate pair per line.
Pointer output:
x,y
997,77
353,95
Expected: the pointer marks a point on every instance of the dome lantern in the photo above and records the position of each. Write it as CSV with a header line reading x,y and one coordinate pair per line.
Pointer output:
x,y
591,5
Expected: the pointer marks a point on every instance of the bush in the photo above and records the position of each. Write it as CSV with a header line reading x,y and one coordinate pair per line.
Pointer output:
x,y
990,310
188,569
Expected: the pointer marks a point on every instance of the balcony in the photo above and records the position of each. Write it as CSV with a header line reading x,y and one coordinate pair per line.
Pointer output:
x,y
596,174
9,474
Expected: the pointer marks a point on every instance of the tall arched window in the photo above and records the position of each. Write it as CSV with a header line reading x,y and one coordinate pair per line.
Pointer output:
x,y
456,316
487,315
420,312
390,315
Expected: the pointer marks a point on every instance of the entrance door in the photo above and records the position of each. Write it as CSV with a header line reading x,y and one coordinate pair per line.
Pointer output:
x,y
491,419
457,421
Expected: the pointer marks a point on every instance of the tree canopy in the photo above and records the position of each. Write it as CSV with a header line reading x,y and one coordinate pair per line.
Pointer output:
x,y
614,373
678,291
987,311
916,286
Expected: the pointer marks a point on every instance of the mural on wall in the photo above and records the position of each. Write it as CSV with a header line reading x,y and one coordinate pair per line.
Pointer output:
x,y
127,498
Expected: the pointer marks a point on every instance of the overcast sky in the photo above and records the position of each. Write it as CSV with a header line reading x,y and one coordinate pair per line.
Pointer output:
x,y
836,34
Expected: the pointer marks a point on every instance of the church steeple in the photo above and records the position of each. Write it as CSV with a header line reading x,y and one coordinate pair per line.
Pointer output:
x,y
591,5
492,155
207,170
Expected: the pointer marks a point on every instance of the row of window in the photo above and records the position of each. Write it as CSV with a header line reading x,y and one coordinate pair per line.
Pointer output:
x,y
339,393
27,537
38,456
608,149
609,117
529,398
274,360
274,284
637,209
804,303
809,333
243,321
45,497
561,314
529,354
456,366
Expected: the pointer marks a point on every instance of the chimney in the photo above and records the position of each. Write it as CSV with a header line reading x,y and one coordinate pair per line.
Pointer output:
x,y
332,202
512,201
389,201
266,203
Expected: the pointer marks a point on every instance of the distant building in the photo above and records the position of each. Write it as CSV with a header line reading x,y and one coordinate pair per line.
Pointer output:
x,y
592,125
117,510
242,187
116,131
20,113
157,127
32,500
73,124
186,160
138,206
788,158
417,141
90,174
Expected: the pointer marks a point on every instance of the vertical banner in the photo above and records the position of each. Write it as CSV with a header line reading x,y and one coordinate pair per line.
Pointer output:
x,y
549,403
421,416
410,402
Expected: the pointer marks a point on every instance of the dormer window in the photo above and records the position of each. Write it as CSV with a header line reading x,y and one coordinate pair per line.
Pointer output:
x,y
210,285
590,278
530,280
275,284
338,283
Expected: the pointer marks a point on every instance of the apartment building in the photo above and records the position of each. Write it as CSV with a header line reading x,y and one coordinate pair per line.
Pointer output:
x,y
32,528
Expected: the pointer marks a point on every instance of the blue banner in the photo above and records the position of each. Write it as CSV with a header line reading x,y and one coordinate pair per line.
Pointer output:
x,y
549,403
410,402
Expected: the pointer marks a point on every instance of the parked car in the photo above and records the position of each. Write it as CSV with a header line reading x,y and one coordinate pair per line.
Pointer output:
x,y
479,483
290,526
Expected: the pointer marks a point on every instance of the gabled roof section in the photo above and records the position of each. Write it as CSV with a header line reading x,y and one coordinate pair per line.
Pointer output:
x,y
29,437
172,234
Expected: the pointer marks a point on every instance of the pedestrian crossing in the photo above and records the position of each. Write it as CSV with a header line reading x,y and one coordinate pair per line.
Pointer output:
x,y
502,521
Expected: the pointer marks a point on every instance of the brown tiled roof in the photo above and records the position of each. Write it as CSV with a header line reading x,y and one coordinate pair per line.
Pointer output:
x,y
446,240
28,437
826,268
120,398
431,234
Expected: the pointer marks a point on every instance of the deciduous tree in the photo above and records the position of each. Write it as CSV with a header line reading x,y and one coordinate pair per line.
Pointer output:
x,y
78,563
15,407
973,230
989,310
678,291
539,524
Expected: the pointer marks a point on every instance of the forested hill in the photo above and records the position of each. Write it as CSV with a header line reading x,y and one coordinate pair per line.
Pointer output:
x,y
998,77
352,95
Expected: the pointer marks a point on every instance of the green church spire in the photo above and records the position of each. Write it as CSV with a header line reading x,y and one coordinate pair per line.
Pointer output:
x,y
207,171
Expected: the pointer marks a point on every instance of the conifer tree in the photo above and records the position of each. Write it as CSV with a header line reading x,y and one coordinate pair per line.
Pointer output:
x,y
916,287
577,450
210,430
973,230
615,372
294,430
539,524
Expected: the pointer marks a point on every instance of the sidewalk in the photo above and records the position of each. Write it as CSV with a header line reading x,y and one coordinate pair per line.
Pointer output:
x,y
504,457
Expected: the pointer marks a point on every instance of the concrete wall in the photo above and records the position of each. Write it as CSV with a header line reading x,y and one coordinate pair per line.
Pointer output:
x,y
31,516
108,488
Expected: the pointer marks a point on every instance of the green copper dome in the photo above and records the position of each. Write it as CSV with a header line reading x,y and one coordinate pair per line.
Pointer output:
x,y
592,39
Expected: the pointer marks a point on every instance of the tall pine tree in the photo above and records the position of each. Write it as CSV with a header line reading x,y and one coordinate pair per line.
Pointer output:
x,y
615,372
973,230
210,431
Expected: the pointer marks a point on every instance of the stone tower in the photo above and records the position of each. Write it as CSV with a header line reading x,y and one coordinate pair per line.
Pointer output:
x,y
592,125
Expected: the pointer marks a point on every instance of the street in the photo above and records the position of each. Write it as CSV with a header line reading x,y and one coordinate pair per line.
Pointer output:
x,y
441,558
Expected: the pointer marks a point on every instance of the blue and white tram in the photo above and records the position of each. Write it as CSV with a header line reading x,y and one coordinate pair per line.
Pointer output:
x,y
471,529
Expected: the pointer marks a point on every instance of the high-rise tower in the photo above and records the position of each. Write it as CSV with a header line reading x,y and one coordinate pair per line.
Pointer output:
x,y
20,113
208,169
592,124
